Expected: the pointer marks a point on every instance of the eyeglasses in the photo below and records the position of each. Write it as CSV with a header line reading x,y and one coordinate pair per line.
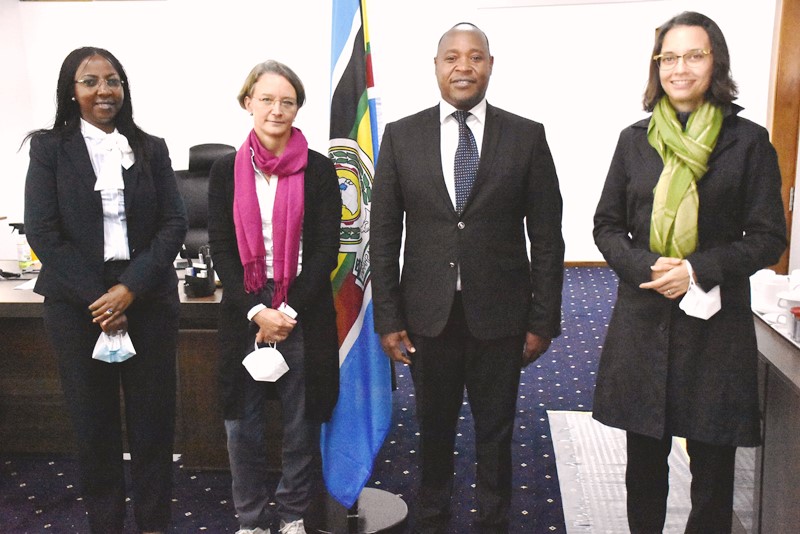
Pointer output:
x,y
91,83
692,58
286,105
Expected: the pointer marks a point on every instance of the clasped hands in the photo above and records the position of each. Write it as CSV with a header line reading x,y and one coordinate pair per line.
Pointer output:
x,y
273,325
397,345
669,278
109,310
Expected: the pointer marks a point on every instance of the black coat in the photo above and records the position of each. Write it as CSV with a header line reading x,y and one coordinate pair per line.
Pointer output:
x,y
663,372
311,294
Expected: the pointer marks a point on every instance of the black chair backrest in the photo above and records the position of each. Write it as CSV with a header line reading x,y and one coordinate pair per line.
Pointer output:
x,y
193,186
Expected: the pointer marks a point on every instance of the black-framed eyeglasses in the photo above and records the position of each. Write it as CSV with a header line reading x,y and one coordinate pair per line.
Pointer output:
x,y
92,82
691,58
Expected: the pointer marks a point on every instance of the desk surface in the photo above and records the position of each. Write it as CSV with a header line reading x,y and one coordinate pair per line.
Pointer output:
x,y
24,303
778,350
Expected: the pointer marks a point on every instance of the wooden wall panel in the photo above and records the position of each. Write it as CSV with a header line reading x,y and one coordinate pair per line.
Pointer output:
x,y
785,110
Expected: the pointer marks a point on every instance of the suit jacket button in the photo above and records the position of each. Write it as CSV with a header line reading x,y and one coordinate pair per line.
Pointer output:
x,y
452,265
461,225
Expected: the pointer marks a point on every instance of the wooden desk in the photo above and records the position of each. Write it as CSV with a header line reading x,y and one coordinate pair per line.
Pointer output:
x,y
33,418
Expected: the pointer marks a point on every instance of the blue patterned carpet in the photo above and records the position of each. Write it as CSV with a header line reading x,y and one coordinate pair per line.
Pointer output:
x,y
39,495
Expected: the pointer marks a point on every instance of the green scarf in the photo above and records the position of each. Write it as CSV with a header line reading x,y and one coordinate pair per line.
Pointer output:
x,y
673,224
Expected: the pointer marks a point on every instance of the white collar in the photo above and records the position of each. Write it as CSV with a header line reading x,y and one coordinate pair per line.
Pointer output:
x,y
103,141
446,110
90,131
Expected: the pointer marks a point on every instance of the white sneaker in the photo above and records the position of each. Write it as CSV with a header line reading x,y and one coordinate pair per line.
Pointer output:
x,y
252,531
295,527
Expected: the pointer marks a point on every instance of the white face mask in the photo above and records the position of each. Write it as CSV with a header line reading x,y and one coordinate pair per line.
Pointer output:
x,y
113,348
697,302
265,364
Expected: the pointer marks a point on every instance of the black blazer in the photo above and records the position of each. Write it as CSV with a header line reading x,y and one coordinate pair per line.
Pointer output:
x,y
311,294
516,190
64,220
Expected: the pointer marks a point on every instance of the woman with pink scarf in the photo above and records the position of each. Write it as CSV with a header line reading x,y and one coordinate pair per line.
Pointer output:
x,y
273,222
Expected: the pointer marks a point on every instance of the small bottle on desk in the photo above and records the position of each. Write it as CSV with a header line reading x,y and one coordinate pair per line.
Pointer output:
x,y
27,259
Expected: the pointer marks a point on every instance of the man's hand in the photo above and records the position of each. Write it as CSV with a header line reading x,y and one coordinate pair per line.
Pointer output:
x,y
535,346
395,346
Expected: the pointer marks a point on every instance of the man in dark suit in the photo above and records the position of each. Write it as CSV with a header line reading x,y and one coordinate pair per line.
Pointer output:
x,y
470,308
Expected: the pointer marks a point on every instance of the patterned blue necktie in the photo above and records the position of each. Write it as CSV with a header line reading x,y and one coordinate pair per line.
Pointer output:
x,y
466,160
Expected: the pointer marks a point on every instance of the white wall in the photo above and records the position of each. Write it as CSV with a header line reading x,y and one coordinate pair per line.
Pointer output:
x,y
579,69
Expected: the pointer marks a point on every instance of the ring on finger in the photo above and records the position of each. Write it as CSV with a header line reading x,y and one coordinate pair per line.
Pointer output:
x,y
669,292
110,311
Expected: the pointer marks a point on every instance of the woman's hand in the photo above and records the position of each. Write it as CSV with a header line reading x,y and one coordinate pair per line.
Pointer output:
x,y
117,325
273,326
670,278
110,306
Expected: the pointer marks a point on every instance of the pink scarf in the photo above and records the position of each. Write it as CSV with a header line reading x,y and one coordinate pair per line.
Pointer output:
x,y
287,214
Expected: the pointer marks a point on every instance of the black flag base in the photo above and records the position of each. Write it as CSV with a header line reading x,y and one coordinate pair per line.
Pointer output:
x,y
375,511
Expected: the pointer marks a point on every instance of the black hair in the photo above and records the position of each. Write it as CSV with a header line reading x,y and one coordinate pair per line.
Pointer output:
x,y
456,26
68,112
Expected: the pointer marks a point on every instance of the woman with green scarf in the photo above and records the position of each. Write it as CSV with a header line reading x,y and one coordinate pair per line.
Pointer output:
x,y
693,193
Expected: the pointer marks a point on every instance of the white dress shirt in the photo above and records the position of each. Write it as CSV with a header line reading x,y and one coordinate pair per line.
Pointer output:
x,y
449,139
266,189
449,143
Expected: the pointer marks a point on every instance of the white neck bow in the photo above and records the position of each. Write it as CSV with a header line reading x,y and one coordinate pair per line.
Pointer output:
x,y
116,155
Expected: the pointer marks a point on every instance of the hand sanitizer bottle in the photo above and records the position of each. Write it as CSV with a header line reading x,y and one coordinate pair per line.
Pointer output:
x,y
27,259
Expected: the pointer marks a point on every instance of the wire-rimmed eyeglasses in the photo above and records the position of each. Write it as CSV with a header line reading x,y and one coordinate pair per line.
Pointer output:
x,y
286,105
692,58
91,82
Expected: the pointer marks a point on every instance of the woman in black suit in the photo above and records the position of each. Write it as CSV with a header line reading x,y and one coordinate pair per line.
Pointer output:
x,y
103,213
273,224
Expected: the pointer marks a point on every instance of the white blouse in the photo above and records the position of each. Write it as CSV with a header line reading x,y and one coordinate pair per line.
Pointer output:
x,y
110,153
266,188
